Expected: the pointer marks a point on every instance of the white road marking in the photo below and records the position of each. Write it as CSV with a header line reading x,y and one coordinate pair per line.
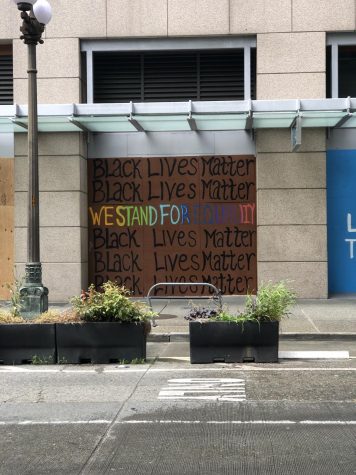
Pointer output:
x,y
203,398
34,423
210,389
186,422
327,355
291,355
217,368
233,422
207,380
237,422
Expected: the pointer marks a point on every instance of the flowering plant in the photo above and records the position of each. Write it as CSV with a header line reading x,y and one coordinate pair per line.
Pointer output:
x,y
111,304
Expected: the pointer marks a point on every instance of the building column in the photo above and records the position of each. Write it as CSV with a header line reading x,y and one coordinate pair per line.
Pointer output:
x,y
63,212
291,187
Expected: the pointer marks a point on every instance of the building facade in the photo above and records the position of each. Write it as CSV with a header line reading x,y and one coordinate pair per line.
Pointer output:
x,y
151,177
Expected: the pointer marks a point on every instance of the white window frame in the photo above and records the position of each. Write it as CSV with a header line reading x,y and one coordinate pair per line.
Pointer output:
x,y
170,44
336,40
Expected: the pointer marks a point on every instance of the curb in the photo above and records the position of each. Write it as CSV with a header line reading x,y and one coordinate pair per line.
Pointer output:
x,y
176,337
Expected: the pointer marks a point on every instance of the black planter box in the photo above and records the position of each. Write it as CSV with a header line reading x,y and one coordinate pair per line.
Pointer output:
x,y
232,342
23,343
100,342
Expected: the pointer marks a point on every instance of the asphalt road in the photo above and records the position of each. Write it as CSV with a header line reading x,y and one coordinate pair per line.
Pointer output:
x,y
169,417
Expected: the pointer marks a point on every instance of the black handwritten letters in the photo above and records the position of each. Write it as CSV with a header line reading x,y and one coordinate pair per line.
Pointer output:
x,y
173,219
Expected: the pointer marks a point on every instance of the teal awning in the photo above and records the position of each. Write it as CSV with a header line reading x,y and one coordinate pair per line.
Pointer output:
x,y
183,116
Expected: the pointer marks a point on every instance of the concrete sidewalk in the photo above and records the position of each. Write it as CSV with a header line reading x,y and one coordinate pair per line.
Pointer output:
x,y
309,319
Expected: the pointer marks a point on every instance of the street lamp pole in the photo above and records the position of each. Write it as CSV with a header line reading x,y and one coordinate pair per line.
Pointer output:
x,y
34,296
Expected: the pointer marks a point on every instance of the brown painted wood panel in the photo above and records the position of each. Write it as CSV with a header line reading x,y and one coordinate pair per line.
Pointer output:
x,y
6,225
173,219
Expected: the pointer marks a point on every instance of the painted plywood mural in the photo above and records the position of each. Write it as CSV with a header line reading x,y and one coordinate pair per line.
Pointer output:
x,y
173,219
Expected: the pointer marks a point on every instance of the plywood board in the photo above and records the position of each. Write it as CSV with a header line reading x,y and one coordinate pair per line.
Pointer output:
x,y
173,219
6,225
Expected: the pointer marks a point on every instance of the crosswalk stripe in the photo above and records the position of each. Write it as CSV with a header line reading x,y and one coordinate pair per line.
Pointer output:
x,y
210,389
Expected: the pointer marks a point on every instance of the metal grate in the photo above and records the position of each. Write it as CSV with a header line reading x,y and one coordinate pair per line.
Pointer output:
x,y
170,76
222,75
117,77
6,79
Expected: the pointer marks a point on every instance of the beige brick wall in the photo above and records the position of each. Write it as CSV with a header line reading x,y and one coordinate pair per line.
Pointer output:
x,y
323,15
291,211
260,16
63,212
119,18
130,18
287,68
58,68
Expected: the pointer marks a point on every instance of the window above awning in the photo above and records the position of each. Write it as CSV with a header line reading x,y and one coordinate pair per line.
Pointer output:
x,y
183,116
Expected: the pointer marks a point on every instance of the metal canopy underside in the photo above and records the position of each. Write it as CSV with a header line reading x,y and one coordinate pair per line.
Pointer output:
x,y
181,116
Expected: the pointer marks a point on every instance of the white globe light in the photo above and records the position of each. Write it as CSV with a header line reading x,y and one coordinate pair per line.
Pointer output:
x,y
42,11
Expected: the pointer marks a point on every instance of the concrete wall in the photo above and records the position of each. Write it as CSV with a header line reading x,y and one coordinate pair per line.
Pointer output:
x,y
130,18
291,211
291,195
58,74
63,212
290,64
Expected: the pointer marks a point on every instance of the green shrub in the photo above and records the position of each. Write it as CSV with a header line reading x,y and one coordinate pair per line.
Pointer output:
x,y
112,304
272,302
15,298
226,316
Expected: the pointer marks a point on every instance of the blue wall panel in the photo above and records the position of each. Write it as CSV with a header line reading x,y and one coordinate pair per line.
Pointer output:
x,y
341,202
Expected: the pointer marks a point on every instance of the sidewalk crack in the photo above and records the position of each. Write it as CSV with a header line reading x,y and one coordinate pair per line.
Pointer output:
x,y
310,321
106,434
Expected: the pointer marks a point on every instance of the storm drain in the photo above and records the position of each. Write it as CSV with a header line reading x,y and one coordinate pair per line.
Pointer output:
x,y
209,389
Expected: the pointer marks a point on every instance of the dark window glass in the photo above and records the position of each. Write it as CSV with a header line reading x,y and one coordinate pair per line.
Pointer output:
x,y
347,71
253,73
171,76
328,71
83,77
6,75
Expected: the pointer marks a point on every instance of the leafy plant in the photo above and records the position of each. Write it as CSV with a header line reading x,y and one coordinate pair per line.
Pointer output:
x,y
41,360
15,298
110,305
272,302
201,313
134,361
226,316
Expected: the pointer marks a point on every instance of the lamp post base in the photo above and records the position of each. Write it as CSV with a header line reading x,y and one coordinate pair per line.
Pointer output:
x,y
33,295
